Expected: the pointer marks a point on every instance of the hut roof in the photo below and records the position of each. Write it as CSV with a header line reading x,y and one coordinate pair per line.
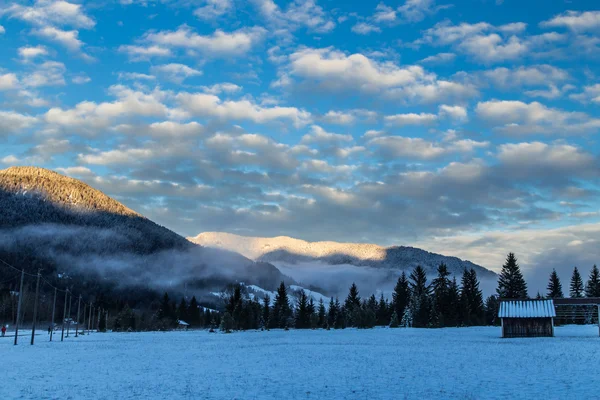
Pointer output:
x,y
527,309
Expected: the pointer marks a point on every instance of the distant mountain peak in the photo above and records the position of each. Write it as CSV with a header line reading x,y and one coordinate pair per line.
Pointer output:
x,y
288,250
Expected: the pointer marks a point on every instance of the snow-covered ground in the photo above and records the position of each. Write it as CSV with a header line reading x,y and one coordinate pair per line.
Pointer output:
x,y
466,363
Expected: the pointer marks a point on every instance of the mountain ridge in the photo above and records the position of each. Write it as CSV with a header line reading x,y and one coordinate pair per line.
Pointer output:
x,y
286,249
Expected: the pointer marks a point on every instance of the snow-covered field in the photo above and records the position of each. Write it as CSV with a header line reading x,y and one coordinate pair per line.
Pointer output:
x,y
466,363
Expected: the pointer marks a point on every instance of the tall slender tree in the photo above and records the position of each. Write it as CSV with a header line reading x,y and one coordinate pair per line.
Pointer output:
x,y
383,312
441,286
472,299
554,286
511,284
352,305
322,317
302,312
592,287
266,311
420,298
576,286
281,308
401,296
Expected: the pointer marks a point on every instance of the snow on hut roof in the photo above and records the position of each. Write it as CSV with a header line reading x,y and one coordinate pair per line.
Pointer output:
x,y
182,322
527,309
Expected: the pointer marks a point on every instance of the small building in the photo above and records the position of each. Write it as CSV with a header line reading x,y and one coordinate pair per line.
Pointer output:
x,y
182,325
527,318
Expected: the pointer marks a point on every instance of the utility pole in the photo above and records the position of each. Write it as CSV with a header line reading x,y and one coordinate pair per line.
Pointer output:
x,y
69,312
62,334
19,306
78,308
53,311
35,305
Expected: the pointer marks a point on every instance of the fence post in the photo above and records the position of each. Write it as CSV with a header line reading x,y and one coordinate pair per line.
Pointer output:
x,y
78,308
35,305
62,334
19,306
53,312
69,312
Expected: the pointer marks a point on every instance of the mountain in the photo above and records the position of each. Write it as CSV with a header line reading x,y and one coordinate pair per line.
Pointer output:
x,y
80,237
313,263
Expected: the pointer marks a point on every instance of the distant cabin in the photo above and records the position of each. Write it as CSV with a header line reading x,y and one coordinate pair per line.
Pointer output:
x,y
527,318
182,325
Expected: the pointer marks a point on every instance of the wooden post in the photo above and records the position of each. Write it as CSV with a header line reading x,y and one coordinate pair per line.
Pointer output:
x,y
53,312
19,306
69,317
84,314
552,326
77,322
91,327
598,319
502,324
35,305
62,333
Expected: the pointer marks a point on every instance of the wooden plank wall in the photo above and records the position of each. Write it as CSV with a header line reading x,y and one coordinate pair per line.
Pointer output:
x,y
527,327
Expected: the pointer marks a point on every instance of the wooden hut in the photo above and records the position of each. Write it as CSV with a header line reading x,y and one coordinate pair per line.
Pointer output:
x,y
527,318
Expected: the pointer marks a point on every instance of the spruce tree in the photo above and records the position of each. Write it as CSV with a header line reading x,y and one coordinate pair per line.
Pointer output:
x,y
182,310
511,284
453,307
281,308
302,312
576,287
394,323
331,314
441,286
194,312
401,296
383,312
472,299
491,310
340,315
321,313
164,310
266,311
420,298
592,287
554,286
352,305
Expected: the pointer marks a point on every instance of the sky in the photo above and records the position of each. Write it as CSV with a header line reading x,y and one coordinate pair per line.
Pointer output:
x,y
468,128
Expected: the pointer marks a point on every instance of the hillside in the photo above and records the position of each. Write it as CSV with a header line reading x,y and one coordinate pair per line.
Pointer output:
x,y
78,236
283,249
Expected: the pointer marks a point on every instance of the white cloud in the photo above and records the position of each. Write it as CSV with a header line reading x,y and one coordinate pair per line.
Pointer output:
x,y
49,73
590,93
577,21
29,52
406,147
8,81
51,12
220,43
218,88
81,79
174,129
458,113
363,28
300,13
339,117
13,122
534,75
321,136
213,9
136,76
528,118
175,72
439,58
411,119
207,105
142,53
334,70
538,155
68,39
2,30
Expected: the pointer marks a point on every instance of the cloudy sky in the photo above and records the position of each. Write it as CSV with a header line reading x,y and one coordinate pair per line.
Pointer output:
x,y
465,127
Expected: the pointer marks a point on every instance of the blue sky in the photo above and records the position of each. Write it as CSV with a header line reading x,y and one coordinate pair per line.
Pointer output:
x,y
464,127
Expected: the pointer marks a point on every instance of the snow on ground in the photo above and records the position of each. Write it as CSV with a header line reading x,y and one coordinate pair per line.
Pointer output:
x,y
463,363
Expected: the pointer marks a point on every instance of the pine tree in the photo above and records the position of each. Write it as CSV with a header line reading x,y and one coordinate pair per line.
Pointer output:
x,y
322,318
164,310
453,312
491,310
401,296
472,299
331,314
182,310
576,287
554,286
383,312
340,315
352,304
592,287
441,286
420,298
281,308
266,311
302,314
511,284
194,312
226,323
394,323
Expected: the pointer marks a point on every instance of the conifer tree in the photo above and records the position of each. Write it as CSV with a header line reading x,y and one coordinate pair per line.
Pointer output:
x,y
576,287
554,286
302,313
394,323
441,286
331,314
266,311
453,312
511,284
383,312
352,305
281,308
491,310
472,299
182,310
592,287
372,304
420,298
194,312
340,315
321,313
401,296
164,310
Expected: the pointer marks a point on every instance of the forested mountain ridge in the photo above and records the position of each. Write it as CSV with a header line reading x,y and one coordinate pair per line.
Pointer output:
x,y
283,249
